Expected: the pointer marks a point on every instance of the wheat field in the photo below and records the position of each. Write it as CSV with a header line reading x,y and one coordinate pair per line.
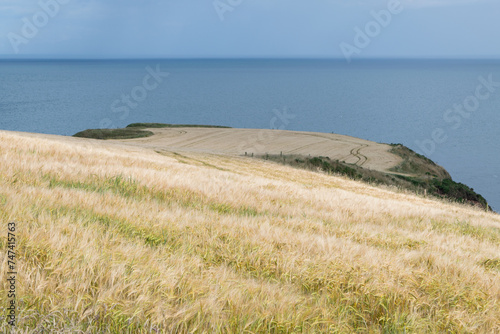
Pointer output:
x,y
117,239
235,141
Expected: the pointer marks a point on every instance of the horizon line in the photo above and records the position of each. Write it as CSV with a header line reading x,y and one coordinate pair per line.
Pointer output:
x,y
5,57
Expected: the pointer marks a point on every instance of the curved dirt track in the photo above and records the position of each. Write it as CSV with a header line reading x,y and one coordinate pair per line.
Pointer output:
x,y
261,141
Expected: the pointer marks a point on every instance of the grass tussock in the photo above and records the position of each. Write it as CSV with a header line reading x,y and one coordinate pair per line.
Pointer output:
x,y
110,241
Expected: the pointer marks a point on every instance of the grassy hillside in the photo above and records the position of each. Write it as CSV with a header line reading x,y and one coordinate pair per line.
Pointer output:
x,y
126,240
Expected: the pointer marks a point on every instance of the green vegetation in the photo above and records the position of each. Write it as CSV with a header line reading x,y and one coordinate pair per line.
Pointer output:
x,y
493,264
165,125
131,189
113,133
135,130
434,179
426,177
445,188
465,228
414,163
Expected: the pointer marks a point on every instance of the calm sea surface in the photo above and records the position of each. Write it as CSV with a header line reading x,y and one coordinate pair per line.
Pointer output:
x,y
417,103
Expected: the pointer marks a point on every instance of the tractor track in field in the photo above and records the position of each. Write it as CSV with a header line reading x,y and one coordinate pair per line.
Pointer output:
x,y
356,152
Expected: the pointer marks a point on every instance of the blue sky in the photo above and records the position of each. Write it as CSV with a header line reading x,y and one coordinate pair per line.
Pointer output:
x,y
247,28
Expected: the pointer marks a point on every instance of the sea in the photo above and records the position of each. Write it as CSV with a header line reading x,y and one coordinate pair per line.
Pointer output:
x,y
448,110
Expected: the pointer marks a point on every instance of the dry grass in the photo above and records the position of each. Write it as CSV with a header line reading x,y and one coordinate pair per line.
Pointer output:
x,y
125,240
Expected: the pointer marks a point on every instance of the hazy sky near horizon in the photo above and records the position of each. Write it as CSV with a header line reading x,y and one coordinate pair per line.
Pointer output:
x,y
248,28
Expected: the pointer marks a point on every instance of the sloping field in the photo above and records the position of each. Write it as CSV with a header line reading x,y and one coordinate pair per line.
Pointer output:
x,y
260,141
116,238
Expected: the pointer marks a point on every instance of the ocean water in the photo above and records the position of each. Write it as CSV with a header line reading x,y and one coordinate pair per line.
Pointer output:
x,y
447,110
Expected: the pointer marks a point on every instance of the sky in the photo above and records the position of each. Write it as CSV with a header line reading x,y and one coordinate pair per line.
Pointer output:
x,y
249,28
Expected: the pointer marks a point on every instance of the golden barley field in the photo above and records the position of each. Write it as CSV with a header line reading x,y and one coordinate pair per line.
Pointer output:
x,y
122,239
